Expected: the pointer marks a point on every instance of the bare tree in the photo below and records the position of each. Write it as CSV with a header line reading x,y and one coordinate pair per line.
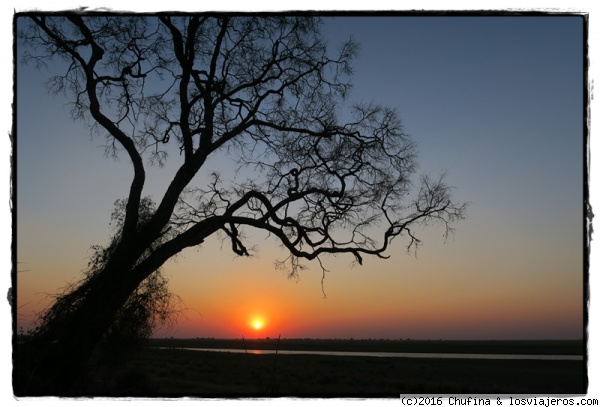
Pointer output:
x,y
321,176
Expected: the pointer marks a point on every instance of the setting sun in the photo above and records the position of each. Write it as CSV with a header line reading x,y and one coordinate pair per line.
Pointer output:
x,y
257,324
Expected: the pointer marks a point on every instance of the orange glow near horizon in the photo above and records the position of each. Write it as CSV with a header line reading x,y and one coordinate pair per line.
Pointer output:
x,y
260,303
387,304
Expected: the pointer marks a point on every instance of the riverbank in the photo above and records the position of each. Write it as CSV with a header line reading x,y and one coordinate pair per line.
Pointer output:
x,y
176,373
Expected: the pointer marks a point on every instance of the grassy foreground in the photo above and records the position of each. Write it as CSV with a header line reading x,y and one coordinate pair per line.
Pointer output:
x,y
154,372
175,372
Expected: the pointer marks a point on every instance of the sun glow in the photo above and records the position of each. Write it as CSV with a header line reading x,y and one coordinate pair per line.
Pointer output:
x,y
257,324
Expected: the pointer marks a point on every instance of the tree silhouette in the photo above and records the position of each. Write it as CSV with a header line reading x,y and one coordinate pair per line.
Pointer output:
x,y
322,176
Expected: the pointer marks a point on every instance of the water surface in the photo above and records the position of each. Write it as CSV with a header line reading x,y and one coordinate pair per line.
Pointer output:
x,y
396,354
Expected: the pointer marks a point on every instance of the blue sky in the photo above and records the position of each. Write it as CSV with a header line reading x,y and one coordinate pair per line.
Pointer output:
x,y
497,101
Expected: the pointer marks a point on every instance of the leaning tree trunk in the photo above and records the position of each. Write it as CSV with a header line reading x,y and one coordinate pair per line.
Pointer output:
x,y
62,352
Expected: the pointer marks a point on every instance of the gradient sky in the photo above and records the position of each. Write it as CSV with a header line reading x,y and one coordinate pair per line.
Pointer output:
x,y
495,101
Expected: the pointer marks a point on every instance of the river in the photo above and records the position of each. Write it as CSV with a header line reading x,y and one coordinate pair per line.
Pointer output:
x,y
395,354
